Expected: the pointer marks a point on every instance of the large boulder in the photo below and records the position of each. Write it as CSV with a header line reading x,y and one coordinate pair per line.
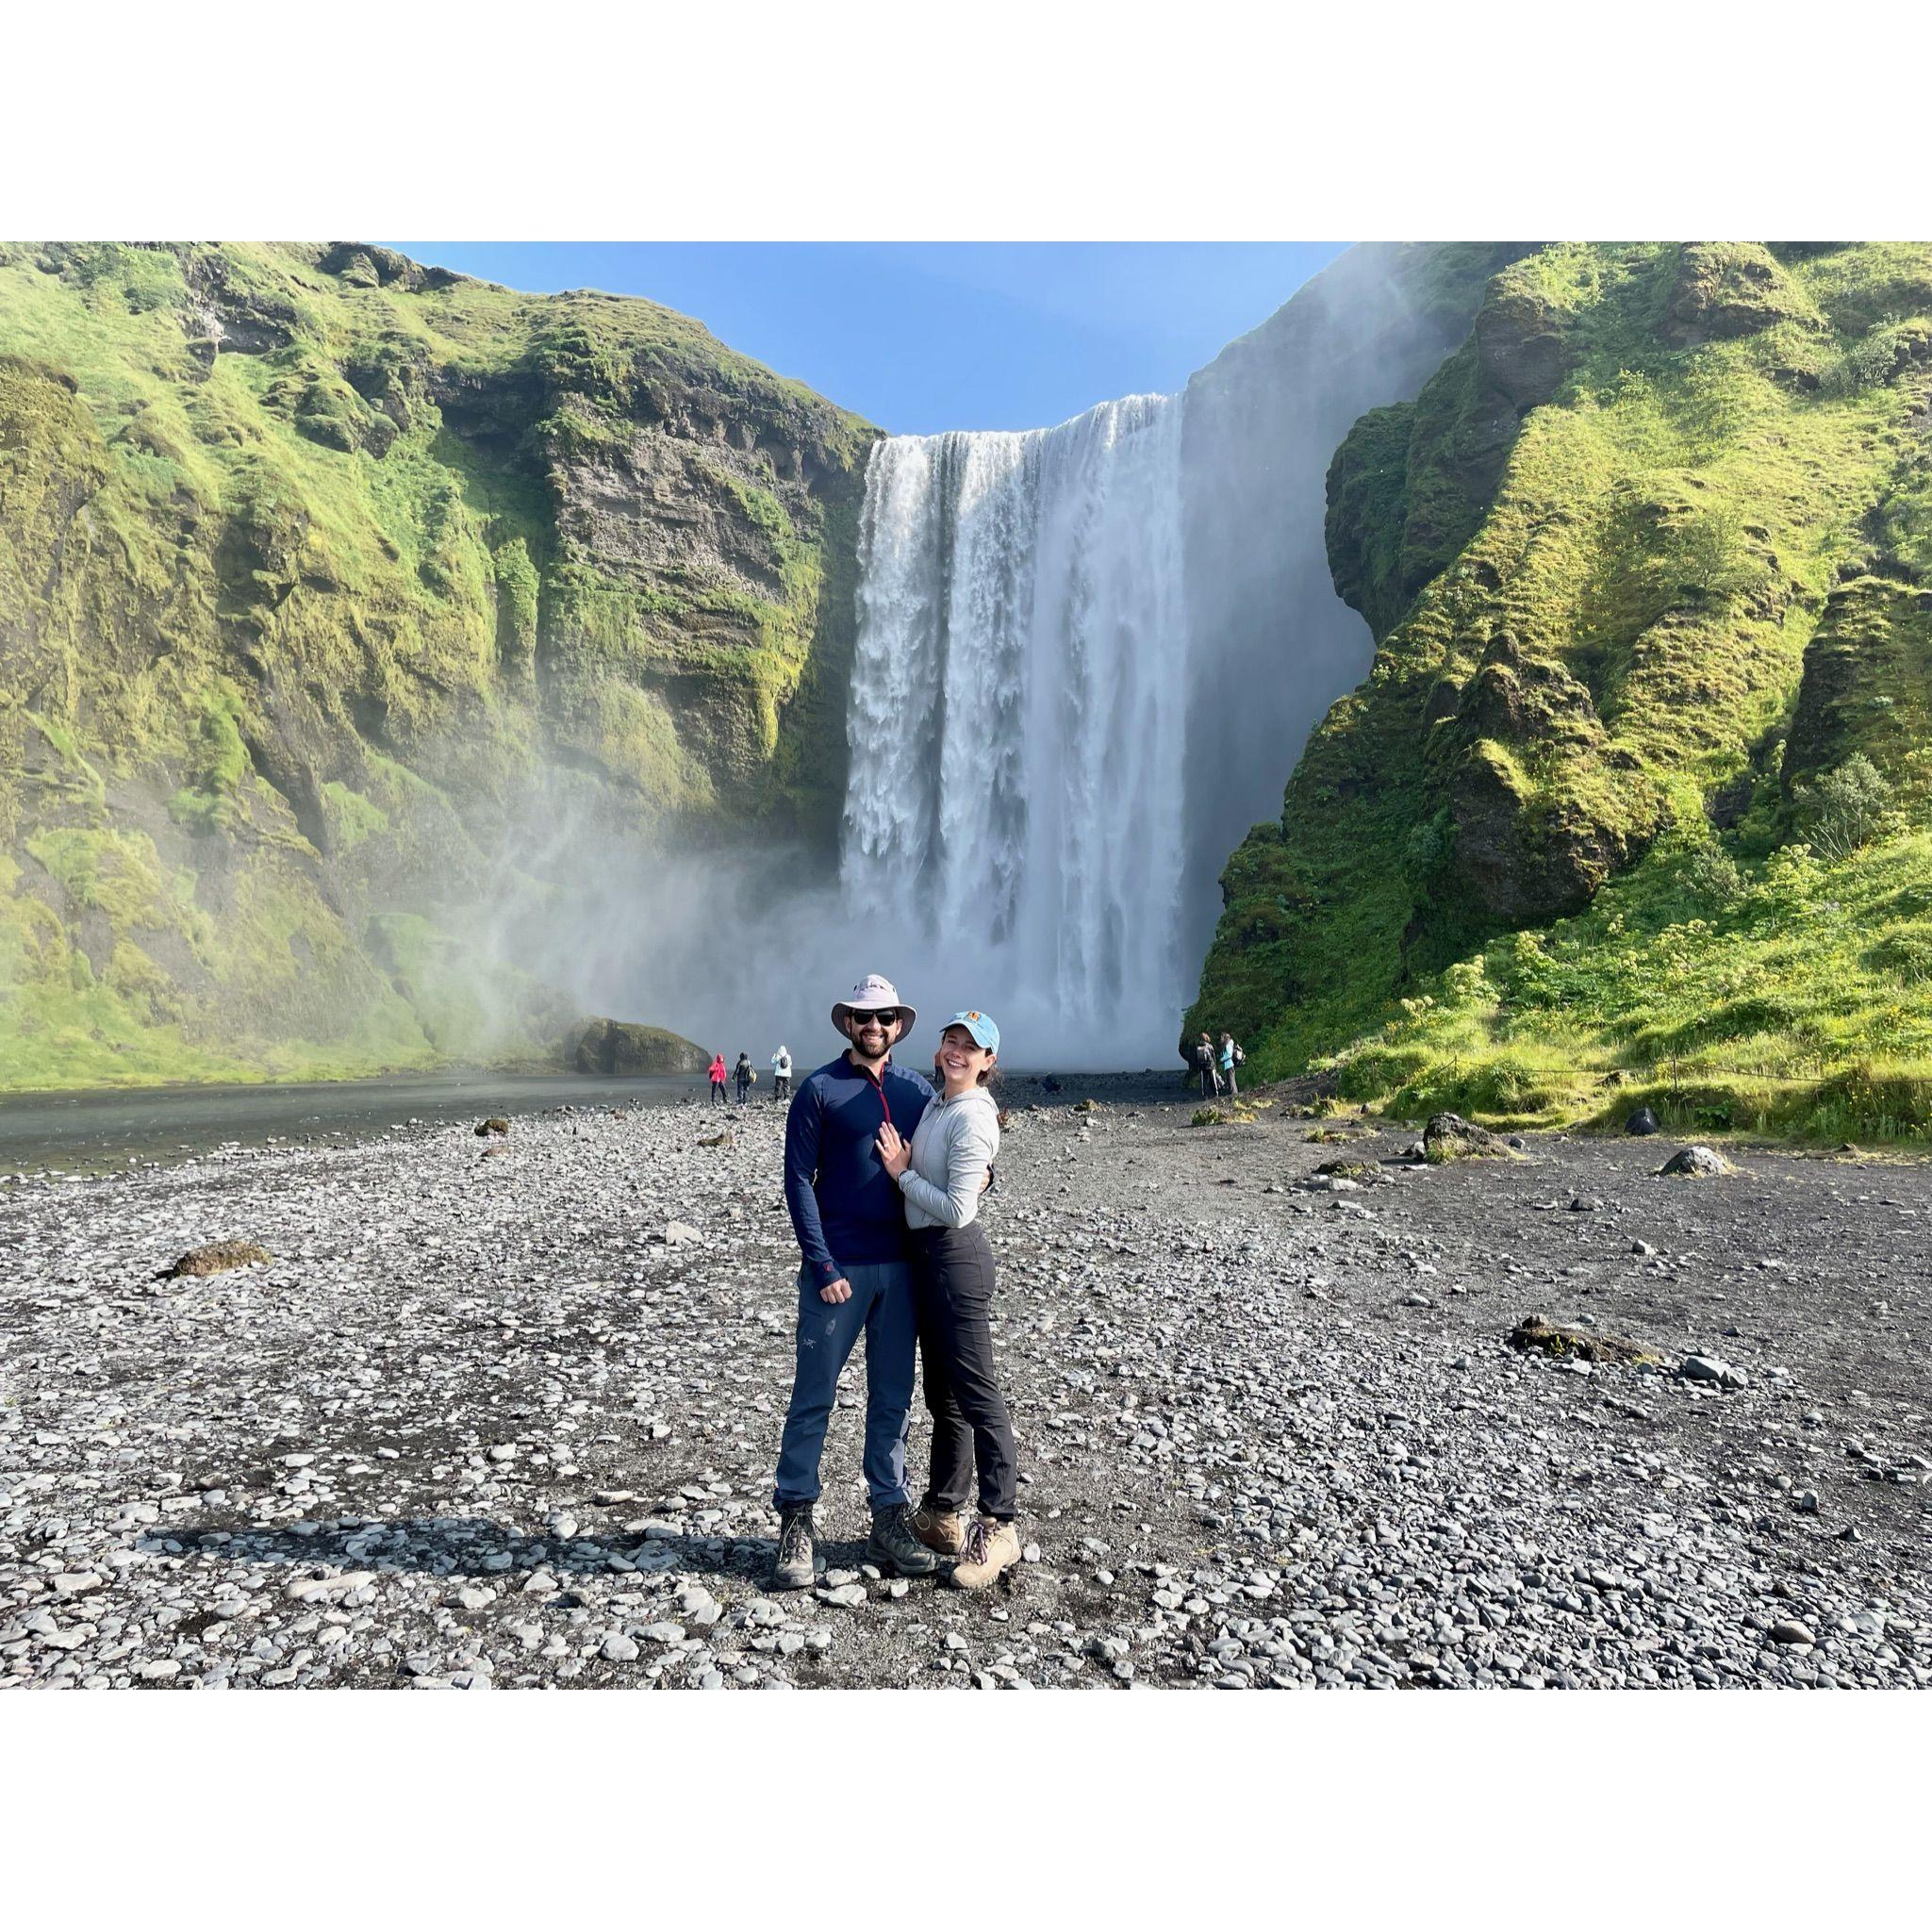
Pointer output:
x,y
1449,1137
1712,1369
217,1257
1696,1161
1538,1333
621,1048
1722,289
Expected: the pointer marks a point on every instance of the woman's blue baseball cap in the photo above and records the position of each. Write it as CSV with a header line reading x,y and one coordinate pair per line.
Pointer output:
x,y
981,1026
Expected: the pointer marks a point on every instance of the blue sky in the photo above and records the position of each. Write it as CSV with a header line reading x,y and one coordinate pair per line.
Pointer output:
x,y
920,337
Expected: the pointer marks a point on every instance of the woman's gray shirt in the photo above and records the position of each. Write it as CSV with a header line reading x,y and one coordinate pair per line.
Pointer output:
x,y
954,1143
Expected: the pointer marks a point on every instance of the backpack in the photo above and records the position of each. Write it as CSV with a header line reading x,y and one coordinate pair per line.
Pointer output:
x,y
1239,1056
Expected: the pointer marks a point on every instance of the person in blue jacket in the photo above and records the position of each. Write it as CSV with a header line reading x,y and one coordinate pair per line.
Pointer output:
x,y
857,1278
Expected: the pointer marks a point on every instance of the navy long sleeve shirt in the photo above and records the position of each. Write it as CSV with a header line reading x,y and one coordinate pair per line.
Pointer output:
x,y
845,1208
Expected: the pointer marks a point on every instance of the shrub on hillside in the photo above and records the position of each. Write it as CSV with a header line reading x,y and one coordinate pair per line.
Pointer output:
x,y
1895,345
1906,952
1426,845
1375,1069
1882,1102
1714,558
1467,983
1846,808
1756,1013
1710,875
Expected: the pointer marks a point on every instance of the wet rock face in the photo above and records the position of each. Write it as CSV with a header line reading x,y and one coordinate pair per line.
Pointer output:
x,y
1263,422
1528,865
1520,350
1511,697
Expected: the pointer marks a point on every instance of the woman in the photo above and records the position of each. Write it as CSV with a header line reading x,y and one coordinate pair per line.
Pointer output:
x,y
782,1073
940,1173
744,1076
1229,1061
716,1073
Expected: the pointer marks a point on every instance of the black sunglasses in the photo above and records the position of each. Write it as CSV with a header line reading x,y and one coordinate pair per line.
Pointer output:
x,y
886,1016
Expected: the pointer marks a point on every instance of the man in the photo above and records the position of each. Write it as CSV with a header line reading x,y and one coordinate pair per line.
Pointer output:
x,y
850,1223
782,1073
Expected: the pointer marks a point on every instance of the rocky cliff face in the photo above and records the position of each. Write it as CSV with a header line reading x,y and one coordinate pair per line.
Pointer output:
x,y
336,593
1653,534
1274,644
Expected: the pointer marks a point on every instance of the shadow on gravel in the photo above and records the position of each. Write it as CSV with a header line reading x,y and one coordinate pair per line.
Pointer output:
x,y
474,1547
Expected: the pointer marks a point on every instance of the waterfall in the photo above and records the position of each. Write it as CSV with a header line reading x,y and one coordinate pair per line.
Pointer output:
x,y
1016,724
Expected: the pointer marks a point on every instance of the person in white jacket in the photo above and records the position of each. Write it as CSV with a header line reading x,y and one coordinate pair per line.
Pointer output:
x,y
941,1172
782,1074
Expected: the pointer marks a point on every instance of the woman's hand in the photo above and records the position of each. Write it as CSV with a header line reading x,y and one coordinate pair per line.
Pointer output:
x,y
894,1155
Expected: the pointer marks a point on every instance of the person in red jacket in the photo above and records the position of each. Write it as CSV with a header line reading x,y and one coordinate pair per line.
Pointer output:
x,y
716,1071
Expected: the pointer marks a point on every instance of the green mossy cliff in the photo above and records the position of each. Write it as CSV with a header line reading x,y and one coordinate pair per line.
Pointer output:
x,y
337,592
1648,561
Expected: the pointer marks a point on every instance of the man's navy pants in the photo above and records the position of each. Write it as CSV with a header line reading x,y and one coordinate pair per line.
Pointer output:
x,y
881,1308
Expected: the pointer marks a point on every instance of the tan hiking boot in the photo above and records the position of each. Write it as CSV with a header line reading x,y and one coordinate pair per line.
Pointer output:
x,y
940,1529
990,1548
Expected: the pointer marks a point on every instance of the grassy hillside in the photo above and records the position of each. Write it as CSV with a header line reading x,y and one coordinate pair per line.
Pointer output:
x,y
337,594
1635,797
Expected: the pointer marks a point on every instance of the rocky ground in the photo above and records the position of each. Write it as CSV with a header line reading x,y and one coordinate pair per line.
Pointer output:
x,y
489,1418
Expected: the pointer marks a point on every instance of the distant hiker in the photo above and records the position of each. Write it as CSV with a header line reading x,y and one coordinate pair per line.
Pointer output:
x,y
743,1074
1231,1056
854,1277
716,1073
939,1171
1202,1054
782,1074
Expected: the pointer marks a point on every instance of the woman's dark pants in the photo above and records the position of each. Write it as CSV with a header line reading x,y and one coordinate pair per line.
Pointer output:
x,y
952,1296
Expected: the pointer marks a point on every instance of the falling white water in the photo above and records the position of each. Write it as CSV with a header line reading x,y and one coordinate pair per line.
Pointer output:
x,y
1019,704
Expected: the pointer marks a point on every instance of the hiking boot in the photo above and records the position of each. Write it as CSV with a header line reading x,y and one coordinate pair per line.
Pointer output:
x,y
991,1547
792,1568
894,1547
940,1529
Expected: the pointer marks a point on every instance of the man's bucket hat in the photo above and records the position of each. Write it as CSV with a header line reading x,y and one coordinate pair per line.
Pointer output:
x,y
872,995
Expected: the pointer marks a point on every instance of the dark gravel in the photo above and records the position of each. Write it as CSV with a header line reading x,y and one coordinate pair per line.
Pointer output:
x,y
489,1418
